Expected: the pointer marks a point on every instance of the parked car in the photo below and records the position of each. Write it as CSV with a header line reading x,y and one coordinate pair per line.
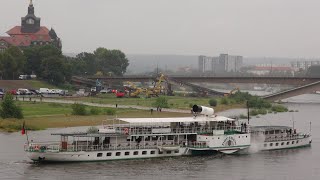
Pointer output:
x,y
34,92
24,91
44,91
13,92
81,92
104,91
55,91
64,93
93,89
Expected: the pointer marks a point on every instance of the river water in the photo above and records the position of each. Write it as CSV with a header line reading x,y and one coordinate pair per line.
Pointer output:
x,y
302,163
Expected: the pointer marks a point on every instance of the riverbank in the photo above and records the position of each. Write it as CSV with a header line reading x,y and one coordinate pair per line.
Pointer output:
x,y
53,113
62,121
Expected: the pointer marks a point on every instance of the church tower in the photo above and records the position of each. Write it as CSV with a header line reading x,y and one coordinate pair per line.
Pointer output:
x,y
30,23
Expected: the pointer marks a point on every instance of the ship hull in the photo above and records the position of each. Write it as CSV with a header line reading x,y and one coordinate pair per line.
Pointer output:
x,y
87,156
284,144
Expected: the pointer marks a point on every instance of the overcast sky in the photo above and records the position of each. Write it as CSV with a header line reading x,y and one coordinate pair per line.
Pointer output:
x,y
278,28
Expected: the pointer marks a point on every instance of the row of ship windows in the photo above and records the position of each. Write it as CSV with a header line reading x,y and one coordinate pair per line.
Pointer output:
x,y
277,144
135,153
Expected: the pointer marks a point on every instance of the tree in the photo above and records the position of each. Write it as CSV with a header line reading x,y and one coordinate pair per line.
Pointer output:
x,y
89,62
12,63
113,61
35,56
9,109
54,70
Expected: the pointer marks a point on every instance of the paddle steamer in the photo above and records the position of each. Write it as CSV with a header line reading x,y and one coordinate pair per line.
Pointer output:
x,y
133,138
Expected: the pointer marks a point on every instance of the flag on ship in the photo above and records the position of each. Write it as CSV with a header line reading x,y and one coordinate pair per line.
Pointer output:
x,y
23,130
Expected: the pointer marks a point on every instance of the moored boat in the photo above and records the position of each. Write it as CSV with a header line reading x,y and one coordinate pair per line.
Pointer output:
x,y
203,133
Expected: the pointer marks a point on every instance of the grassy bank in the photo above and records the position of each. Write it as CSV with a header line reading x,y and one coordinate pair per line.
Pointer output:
x,y
51,115
55,115
175,102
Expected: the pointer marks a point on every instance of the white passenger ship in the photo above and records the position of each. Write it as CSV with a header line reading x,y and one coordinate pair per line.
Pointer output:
x,y
204,133
278,137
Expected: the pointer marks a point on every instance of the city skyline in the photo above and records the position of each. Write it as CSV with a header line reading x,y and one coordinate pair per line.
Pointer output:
x,y
248,28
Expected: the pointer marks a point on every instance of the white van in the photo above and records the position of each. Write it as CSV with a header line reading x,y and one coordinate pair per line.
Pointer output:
x,y
44,90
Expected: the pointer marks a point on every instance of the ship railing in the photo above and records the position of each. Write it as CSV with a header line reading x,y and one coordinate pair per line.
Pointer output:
x,y
119,146
43,147
286,137
181,130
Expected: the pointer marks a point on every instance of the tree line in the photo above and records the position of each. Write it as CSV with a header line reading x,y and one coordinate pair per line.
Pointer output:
x,y
49,64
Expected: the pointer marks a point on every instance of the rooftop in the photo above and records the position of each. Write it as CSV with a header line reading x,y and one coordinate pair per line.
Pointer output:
x,y
175,119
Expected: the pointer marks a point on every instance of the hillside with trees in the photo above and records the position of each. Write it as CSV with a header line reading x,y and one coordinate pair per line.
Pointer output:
x,y
49,64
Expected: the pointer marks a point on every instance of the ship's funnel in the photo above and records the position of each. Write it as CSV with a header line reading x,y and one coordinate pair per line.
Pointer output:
x,y
203,110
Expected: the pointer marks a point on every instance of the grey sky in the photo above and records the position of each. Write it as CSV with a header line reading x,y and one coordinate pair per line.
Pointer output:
x,y
283,28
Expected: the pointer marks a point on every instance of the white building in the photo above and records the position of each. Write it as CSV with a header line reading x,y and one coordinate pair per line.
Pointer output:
x,y
303,65
223,63
230,63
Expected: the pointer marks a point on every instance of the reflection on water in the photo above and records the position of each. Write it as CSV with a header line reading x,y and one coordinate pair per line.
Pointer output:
x,y
300,163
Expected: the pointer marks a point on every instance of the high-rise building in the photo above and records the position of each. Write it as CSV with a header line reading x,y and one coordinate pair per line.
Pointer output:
x,y
205,64
230,63
223,63
30,33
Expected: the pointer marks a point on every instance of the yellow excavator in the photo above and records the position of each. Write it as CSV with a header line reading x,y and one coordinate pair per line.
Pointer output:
x,y
134,90
233,91
157,89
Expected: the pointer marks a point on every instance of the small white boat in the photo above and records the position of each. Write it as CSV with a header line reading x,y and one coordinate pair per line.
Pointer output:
x,y
278,137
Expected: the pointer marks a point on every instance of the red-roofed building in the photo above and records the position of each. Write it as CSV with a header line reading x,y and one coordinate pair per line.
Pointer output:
x,y
30,33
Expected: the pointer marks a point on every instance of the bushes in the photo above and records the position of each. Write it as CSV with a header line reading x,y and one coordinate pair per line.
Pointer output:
x,y
255,112
257,102
224,101
94,111
110,111
9,109
279,108
213,102
79,109
161,102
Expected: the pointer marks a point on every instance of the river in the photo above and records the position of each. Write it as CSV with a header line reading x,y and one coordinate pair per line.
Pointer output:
x,y
302,163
